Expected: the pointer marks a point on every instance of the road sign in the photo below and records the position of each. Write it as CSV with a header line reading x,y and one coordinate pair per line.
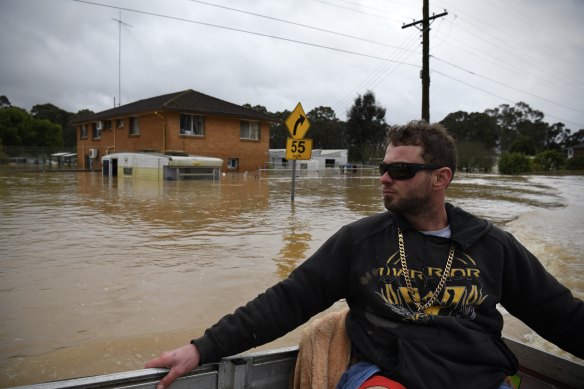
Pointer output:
x,y
298,149
297,123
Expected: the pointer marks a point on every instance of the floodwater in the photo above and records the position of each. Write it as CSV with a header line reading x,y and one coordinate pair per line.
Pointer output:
x,y
98,275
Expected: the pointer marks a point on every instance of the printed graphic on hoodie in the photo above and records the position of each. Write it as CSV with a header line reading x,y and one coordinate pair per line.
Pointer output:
x,y
462,292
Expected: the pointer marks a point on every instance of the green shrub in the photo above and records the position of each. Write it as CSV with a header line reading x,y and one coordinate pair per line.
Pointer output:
x,y
514,163
576,163
550,160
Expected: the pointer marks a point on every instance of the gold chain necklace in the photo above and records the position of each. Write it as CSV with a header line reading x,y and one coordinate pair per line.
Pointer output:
x,y
402,257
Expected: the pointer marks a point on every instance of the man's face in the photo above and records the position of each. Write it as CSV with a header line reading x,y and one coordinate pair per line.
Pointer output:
x,y
407,195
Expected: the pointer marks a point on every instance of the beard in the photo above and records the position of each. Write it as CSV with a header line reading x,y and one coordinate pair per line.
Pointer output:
x,y
413,202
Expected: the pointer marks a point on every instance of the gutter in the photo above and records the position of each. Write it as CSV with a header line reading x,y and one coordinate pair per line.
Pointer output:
x,y
163,118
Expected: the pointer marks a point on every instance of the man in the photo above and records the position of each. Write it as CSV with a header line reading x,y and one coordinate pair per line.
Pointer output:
x,y
422,282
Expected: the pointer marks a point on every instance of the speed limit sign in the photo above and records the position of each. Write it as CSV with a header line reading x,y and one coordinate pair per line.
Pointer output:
x,y
298,149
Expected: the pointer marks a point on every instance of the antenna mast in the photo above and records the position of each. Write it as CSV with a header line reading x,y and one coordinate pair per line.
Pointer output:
x,y
120,22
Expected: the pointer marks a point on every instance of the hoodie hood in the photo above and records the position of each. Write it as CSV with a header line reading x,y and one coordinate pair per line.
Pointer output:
x,y
467,229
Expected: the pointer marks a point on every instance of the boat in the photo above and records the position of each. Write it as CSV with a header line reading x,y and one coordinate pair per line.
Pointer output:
x,y
273,369
158,166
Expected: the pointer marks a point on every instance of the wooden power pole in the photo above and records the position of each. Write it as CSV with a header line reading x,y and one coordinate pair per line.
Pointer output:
x,y
425,74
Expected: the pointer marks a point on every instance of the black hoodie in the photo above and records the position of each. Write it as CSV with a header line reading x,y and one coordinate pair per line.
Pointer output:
x,y
454,343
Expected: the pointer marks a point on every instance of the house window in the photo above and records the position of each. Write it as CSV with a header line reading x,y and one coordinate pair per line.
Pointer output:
x,y
120,123
83,131
232,163
97,130
249,130
107,125
192,125
134,126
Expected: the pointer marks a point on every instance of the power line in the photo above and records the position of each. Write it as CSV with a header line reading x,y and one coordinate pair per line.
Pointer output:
x,y
518,52
293,23
543,26
507,85
240,30
503,65
378,76
351,9
501,97
385,68
379,9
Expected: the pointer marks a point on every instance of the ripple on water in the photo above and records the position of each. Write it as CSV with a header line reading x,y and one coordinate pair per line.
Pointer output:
x,y
85,260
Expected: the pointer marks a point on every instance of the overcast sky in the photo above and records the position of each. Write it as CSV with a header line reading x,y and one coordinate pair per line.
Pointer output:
x,y
277,53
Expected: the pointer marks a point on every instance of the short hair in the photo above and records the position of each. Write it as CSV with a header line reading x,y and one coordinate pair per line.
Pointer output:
x,y
438,146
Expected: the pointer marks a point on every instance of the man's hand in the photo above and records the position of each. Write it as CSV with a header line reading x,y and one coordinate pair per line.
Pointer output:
x,y
180,361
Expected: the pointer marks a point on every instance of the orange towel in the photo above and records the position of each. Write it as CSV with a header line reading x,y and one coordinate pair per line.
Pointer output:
x,y
324,352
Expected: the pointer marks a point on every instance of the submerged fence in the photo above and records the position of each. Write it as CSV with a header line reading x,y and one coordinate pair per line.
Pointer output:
x,y
38,158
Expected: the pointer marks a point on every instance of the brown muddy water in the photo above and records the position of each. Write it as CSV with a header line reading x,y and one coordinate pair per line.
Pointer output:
x,y
98,275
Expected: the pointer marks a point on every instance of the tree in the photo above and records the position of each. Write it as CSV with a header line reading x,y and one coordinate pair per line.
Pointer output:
x,y
514,163
519,121
550,160
366,129
476,139
536,131
19,128
522,144
326,130
474,156
47,134
3,155
15,127
60,117
575,139
258,108
558,134
475,127
278,131
576,163
4,102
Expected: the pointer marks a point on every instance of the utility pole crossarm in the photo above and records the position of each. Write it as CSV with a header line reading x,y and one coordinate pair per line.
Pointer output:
x,y
425,74
422,21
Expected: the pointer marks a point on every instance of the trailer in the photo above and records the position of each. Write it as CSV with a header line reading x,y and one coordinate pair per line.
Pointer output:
x,y
157,166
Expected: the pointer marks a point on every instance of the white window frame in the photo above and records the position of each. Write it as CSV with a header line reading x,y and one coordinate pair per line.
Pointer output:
x,y
134,125
191,125
83,131
233,164
249,129
96,131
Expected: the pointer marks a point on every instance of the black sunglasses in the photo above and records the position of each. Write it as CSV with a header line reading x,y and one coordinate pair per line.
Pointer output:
x,y
403,170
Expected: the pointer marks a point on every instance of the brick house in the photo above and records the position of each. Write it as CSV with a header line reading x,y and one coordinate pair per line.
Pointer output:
x,y
576,151
187,121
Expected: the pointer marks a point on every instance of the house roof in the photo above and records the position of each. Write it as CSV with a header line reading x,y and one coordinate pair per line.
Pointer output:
x,y
188,101
577,147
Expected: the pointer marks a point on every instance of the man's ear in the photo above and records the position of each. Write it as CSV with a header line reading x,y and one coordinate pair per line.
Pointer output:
x,y
442,177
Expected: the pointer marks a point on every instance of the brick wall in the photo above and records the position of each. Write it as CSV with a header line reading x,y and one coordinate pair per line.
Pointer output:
x,y
221,140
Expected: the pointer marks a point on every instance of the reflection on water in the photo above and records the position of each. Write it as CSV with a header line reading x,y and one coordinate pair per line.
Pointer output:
x,y
99,275
295,244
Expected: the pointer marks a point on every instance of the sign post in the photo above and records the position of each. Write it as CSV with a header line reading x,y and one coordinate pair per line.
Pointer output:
x,y
297,147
